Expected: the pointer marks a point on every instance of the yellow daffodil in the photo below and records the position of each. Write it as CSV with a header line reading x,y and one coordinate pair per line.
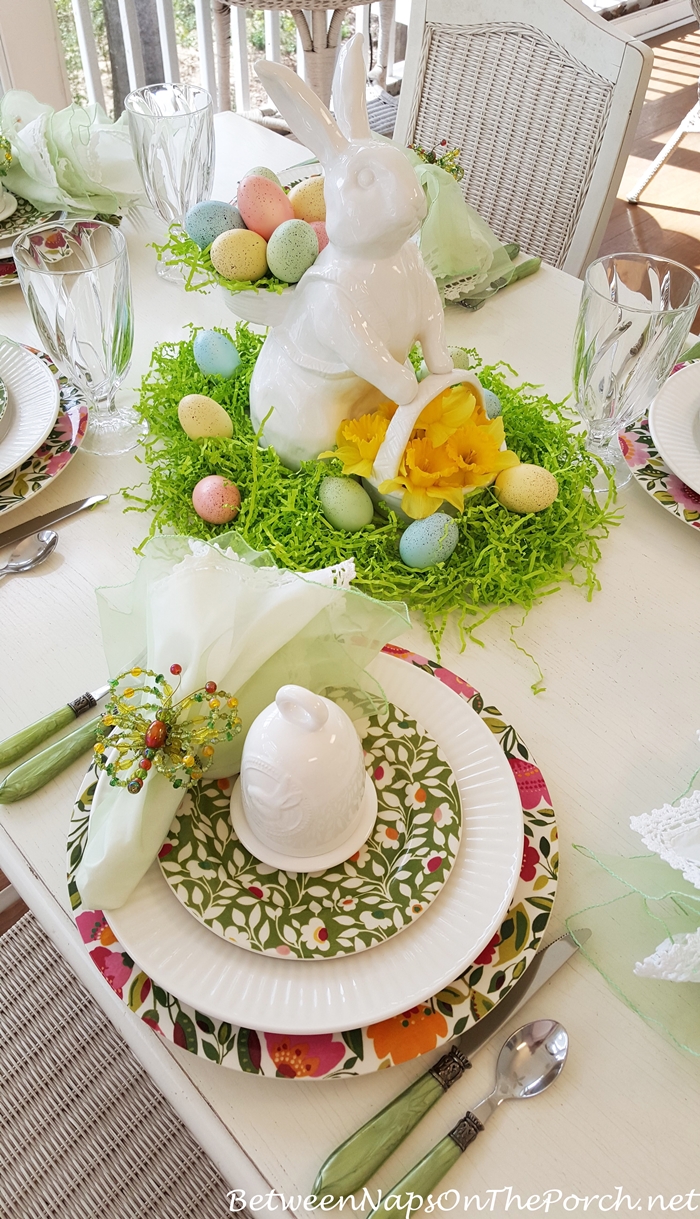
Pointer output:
x,y
450,410
427,476
359,440
476,449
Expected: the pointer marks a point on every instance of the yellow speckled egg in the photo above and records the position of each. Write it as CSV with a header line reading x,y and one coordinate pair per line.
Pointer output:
x,y
239,254
308,200
201,416
526,488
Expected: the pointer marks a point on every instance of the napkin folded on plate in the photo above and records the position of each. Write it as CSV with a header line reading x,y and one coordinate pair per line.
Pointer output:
x,y
227,614
74,160
673,833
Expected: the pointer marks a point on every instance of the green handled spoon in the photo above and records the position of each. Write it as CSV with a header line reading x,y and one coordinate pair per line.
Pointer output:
x,y
529,1062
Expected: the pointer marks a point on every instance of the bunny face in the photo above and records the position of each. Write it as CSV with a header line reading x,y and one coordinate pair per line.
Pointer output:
x,y
374,202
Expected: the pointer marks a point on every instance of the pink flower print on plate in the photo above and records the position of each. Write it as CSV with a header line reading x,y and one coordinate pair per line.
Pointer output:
x,y
531,785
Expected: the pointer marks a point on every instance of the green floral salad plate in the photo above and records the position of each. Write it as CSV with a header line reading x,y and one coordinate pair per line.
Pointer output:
x,y
356,905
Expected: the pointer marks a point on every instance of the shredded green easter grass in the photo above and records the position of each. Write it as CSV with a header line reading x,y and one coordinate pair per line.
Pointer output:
x,y
501,559
200,273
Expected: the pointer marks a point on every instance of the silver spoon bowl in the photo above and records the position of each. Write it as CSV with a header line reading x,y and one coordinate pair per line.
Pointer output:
x,y
30,553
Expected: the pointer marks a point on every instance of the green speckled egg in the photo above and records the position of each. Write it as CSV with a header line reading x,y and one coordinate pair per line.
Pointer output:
x,y
492,403
291,250
201,416
460,358
261,171
345,504
429,541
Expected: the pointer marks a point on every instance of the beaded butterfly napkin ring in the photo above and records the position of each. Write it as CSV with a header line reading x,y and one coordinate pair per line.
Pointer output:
x,y
159,732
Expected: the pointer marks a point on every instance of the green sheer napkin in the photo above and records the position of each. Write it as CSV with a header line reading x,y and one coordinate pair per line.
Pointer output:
x,y
640,901
74,160
224,613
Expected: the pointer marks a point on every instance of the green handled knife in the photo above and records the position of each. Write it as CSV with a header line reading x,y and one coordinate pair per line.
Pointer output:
x,y
36,772
22,742
358,1158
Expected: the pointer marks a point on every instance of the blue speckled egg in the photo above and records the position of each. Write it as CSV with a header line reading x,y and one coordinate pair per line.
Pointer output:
x,y
215,354
345,503
429,541
492,403
209,219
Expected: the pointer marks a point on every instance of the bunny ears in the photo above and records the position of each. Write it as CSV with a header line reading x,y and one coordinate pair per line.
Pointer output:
x,y
309,119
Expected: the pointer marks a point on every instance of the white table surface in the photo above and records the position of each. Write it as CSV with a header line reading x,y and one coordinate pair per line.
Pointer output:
x,y
614,734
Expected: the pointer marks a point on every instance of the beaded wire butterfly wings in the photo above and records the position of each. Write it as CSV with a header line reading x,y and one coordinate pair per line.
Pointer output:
x,y
157,731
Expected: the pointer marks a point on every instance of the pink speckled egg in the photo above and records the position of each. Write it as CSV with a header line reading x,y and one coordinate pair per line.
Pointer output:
x,y
319,228
216,499
263,205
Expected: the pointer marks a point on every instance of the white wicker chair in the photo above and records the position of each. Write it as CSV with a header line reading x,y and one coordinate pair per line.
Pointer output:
x,y
543,100
691,122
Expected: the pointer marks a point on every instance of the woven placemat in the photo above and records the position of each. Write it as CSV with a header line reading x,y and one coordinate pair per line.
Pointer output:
x,y
83,1130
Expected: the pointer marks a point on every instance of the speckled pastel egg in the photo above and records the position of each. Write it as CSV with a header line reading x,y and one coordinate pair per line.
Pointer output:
x,y
319,228
345,504
261,171
460,358
526,488
215,354
263,205
291,250
207,220
308,200
492,403
239,254
201,416
216,499
429,541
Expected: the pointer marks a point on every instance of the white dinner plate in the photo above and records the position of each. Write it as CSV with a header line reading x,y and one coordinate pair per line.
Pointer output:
x,y
32,406
674,423
307,997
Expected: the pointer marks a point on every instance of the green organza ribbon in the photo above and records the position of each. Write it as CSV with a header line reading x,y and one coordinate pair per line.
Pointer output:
x,y
641,901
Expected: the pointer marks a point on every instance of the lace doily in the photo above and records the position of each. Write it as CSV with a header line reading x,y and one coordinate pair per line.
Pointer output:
x,y
676,960
674,834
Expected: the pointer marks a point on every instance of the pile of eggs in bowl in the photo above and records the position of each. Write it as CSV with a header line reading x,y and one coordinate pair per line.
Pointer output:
x,y
266,231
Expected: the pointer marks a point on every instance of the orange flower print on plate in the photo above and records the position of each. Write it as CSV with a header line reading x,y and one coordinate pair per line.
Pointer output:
x,y
406,1036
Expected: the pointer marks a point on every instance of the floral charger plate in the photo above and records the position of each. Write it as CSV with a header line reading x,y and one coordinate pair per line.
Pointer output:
x,y
642,457
58,449
399,1039
24,217
379,891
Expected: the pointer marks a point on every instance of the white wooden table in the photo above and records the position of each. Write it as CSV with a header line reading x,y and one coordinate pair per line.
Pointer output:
x,y
614,734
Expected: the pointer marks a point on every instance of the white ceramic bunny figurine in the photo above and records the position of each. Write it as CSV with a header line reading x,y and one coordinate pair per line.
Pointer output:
x,y
342,346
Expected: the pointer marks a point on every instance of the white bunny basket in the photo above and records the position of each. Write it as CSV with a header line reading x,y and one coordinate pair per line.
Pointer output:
x,y
342,345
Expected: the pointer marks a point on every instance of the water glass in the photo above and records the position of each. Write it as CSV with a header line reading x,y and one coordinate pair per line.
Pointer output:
x,y
172,135
635,314
75,280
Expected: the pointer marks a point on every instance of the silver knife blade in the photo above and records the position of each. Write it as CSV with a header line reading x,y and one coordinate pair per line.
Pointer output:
x,y
541,969
10,536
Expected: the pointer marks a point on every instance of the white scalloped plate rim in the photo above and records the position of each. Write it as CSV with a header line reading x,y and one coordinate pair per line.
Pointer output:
x,y
674,423
256,991
33,404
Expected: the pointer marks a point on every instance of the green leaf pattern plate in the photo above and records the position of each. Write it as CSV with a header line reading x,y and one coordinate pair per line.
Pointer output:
x,y
370,897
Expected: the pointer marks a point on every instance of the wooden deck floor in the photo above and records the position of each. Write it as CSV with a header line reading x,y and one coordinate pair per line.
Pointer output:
x,y
667,220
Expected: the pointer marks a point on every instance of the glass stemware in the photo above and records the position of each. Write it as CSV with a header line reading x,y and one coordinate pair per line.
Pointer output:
x,y
75,279
172,135
633,322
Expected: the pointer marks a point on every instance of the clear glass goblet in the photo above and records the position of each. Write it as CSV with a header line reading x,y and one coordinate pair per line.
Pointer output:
x,y
75,280
633,322
172,135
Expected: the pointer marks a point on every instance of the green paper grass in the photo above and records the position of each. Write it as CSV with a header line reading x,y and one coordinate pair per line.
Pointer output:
x,y
199,271
501,559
